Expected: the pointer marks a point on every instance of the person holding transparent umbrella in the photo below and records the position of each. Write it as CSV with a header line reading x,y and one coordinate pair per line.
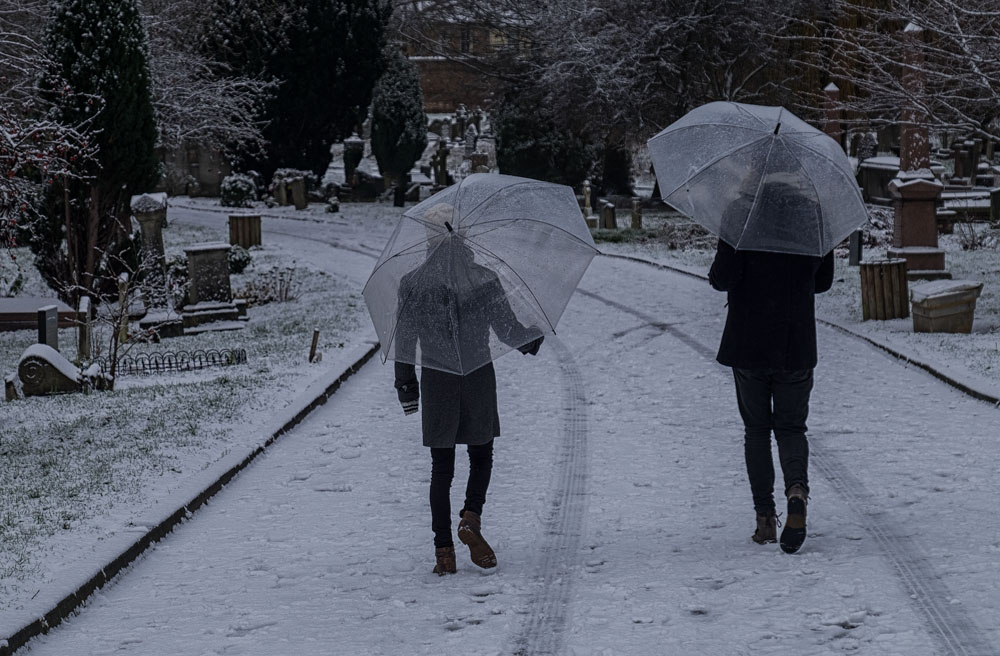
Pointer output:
x,y
457,409
480,268
780,195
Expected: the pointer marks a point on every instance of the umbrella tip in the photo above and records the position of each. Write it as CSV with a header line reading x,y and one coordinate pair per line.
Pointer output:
x,y
776,127
448,225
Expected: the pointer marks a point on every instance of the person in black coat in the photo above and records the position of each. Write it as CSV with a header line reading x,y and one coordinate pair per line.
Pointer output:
x,y
770,342
450,290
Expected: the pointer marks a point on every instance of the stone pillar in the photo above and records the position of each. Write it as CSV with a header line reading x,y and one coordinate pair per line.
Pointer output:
x,y
298,193
354,151
636,214
83,335
587,207
832,110
915,190
471,134
995,207
153,261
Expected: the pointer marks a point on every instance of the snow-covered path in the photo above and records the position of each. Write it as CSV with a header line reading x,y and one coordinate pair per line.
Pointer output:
x,y
619,511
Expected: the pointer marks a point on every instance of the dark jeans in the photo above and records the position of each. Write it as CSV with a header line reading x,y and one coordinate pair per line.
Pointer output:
x,y
442,473
779,401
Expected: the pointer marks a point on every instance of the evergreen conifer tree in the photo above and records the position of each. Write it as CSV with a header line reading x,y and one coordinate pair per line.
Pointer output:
x,y
324,57
399,127
98,77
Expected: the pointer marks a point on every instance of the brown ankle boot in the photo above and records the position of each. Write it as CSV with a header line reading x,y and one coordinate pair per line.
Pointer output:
x,y
767,528
445,561
470,534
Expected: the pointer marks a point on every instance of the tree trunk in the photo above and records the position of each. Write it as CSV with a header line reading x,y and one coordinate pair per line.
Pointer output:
x,y
399,198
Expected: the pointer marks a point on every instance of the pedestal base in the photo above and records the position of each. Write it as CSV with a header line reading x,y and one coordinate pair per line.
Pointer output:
x,y
919,257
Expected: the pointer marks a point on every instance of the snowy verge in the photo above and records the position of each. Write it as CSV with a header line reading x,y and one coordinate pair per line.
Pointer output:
x,y
52,605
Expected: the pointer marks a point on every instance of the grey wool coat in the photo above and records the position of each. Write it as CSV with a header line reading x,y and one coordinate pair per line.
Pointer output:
x,y
455,409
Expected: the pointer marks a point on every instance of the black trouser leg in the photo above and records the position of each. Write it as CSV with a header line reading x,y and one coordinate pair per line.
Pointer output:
x,y
442,473
789,391
753,396
480,469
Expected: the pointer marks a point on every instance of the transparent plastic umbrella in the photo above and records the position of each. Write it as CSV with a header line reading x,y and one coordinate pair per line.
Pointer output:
x,y
480,268
758,177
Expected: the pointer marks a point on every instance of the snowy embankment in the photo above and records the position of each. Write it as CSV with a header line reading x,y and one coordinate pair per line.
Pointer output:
x,y
85,475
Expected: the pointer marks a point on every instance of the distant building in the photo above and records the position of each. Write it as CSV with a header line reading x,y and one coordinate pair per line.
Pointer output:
x,y
451,56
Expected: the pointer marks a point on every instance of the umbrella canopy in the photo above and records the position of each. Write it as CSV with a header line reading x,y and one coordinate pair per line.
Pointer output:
x,y
477,269
758,177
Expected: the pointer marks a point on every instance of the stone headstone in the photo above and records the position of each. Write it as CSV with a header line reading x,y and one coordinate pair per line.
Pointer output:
x,y
298,193
43,370
210,295
153,202
636,214
48,326
208,271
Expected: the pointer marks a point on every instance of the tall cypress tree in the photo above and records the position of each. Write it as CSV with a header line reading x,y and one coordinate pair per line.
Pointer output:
x,y
399,127
324,57
99,78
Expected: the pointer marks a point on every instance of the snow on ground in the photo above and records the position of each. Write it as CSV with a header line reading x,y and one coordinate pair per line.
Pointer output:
x,y
619,511
80,472
619,508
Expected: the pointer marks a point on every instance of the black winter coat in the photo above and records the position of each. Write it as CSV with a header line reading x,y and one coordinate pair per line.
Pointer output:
x,y
455,409
772,317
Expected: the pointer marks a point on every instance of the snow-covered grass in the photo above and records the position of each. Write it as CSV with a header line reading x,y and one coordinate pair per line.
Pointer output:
x,y
76,468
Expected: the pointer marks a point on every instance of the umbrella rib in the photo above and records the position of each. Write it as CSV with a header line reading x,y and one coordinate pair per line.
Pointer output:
x,y
405,251
523,281
744,110
843,173
819,227
392,335
551,225
760,183
712,162
709,124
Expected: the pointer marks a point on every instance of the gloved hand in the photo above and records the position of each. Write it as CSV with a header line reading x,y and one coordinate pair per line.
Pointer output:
x,y
409,398
531,348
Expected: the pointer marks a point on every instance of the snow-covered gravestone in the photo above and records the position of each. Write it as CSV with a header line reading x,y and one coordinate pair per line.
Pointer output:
x,y
210,295
43,370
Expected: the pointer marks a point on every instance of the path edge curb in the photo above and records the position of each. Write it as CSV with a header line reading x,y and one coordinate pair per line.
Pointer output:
x,y
71,602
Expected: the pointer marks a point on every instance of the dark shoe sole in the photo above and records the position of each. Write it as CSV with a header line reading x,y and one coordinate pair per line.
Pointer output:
x,y
794,533
479,549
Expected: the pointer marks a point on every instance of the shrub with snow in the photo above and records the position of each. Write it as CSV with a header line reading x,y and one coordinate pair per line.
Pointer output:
x,y
238,190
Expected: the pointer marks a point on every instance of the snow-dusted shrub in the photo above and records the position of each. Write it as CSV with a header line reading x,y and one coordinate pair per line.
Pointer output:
x,y
238,190
239,259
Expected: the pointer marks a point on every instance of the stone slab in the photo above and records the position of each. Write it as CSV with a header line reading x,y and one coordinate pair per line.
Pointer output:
x,y
21,312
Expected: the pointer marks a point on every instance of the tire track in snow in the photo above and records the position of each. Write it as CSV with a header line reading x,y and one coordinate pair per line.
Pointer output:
x,y
542,631
954,631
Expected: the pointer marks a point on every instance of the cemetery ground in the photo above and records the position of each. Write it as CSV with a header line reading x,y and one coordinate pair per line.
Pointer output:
x,y
619,506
